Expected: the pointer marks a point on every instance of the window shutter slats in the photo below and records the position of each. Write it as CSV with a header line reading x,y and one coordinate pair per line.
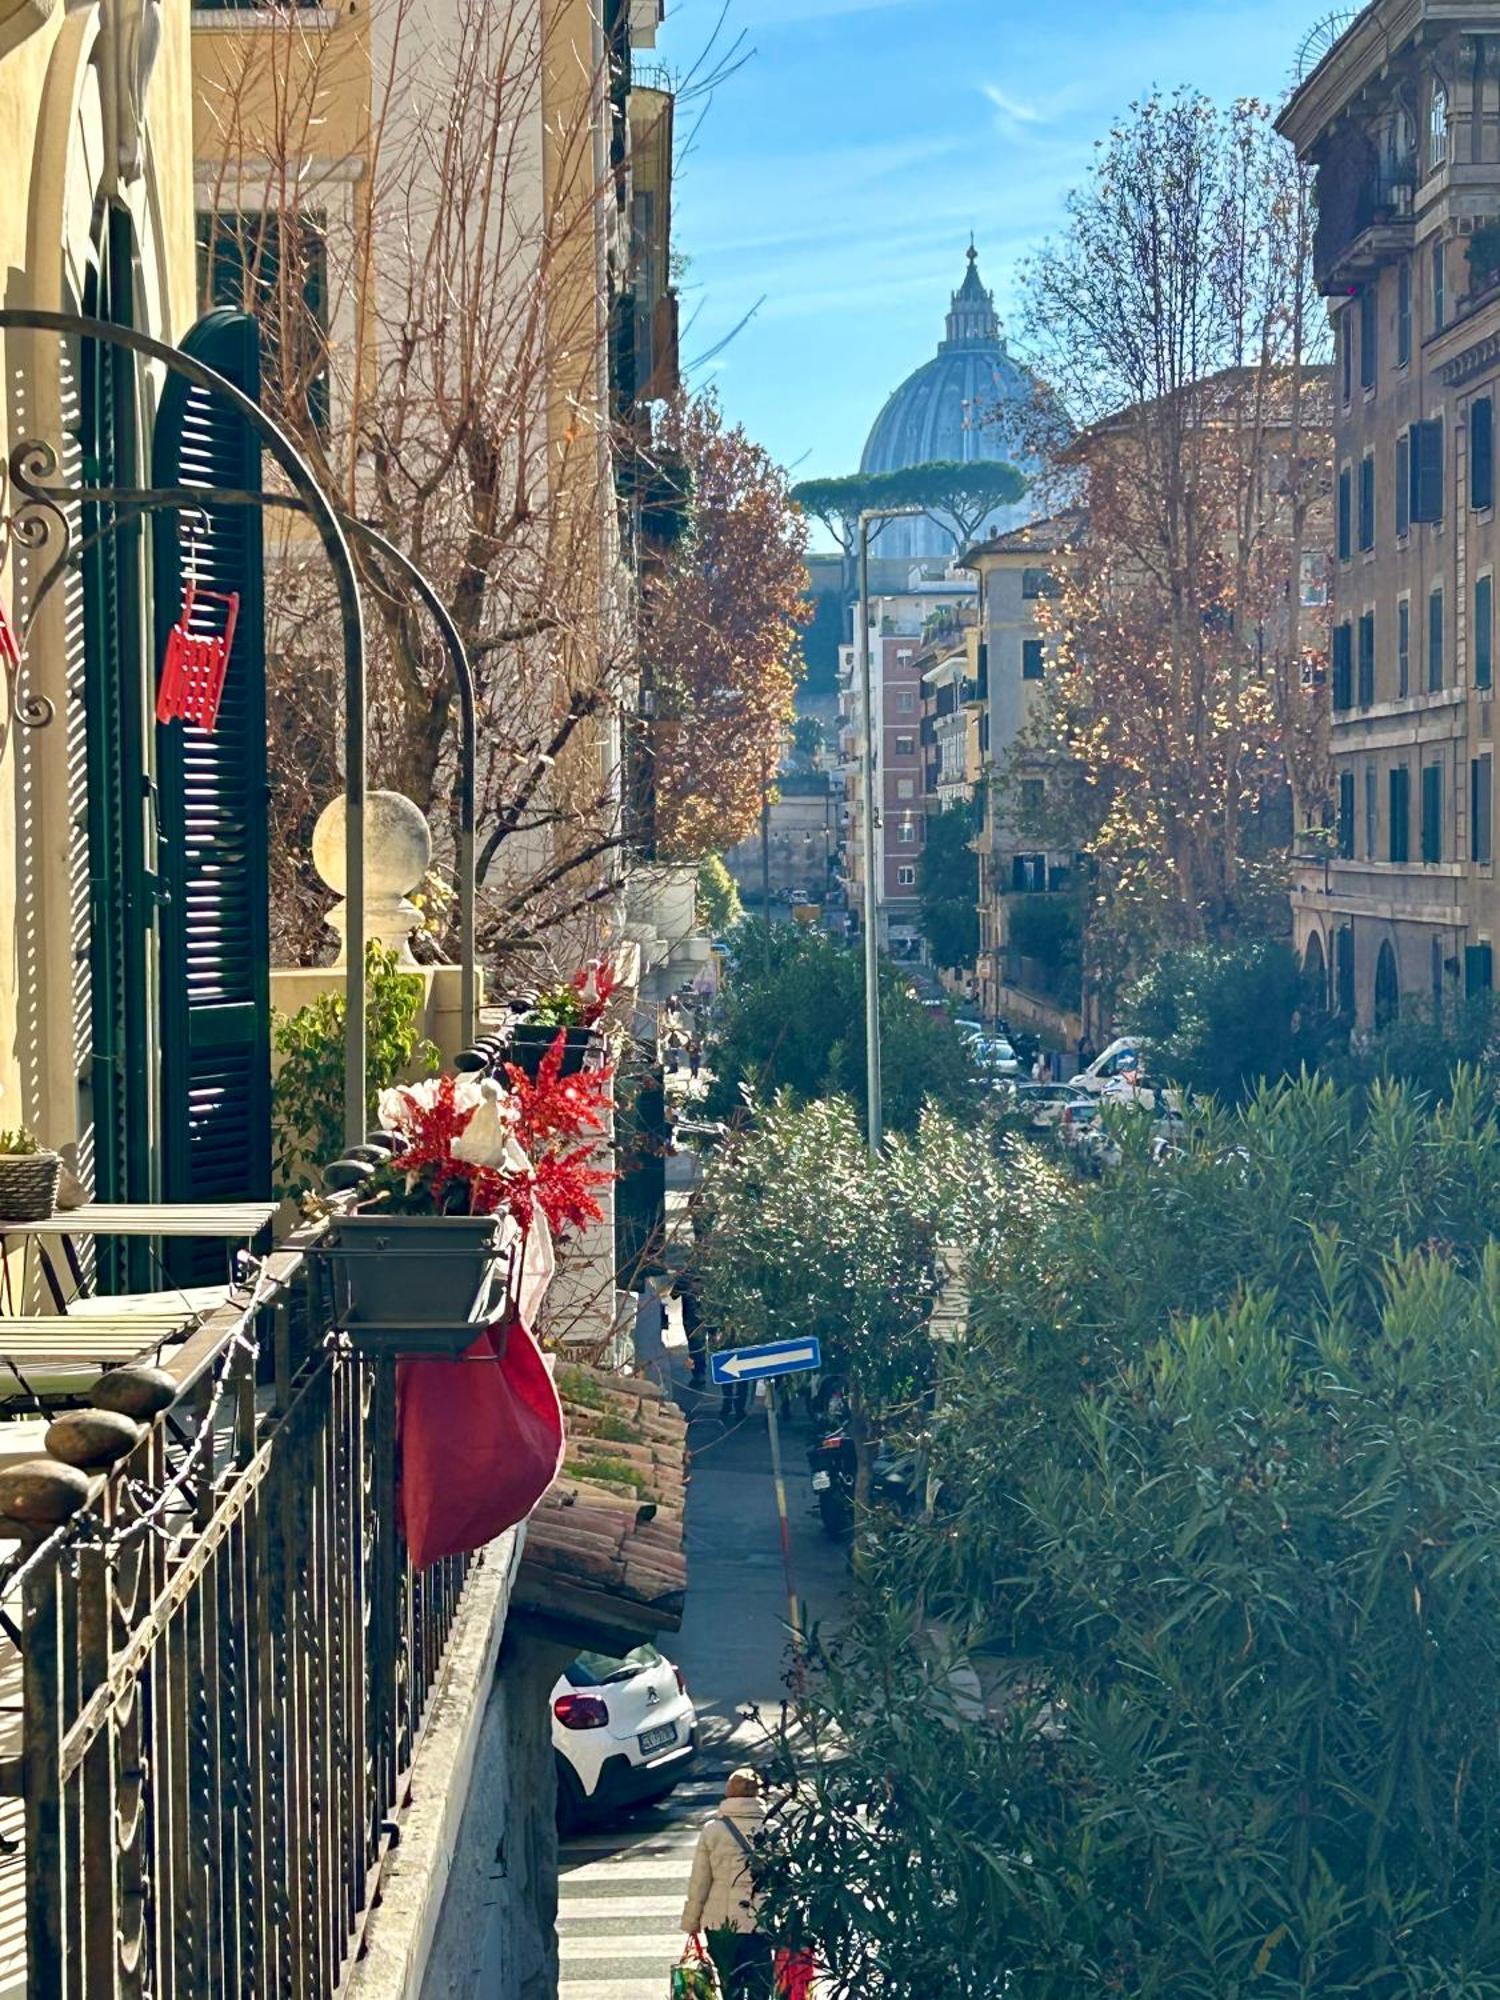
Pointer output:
x,y
213,811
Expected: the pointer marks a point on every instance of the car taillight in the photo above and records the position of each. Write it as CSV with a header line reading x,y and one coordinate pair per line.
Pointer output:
x,y
834,1443
581,1711
681,1681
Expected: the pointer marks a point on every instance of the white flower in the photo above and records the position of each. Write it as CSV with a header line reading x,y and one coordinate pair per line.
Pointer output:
x,y
489,1138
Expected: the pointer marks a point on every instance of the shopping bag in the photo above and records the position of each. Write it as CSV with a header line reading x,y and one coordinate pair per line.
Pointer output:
x,y
480,1441
795,1973
694,1978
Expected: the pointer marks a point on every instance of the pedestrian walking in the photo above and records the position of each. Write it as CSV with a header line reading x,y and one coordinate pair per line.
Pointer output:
x,y
1041,1069
695,1057
695,1331
736,1403
1087,1053
721,1899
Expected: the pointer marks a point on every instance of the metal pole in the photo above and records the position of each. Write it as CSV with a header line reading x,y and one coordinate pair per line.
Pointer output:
x,y
765,862
773,1427
867,842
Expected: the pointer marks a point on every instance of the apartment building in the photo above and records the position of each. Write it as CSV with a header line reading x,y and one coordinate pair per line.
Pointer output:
x,y
1017,575
1402,121
901,626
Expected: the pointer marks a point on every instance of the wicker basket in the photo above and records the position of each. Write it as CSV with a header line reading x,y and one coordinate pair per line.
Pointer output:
x,y
28,1186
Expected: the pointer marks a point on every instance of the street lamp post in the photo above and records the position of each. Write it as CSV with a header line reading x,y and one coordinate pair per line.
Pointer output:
x,y
867,781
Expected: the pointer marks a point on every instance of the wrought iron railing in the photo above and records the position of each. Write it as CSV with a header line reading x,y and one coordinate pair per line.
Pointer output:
x,y
226,1665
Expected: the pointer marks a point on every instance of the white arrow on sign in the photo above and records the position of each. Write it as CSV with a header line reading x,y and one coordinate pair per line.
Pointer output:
x,y
784,1357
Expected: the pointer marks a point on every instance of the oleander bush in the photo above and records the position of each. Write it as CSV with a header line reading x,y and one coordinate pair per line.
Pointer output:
x,y
1188,1684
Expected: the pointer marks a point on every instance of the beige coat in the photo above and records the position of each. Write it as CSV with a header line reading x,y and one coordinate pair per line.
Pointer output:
x,y
719,1894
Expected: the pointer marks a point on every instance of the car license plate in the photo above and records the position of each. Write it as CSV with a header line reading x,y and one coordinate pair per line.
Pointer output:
x,y
657,1739
821,1482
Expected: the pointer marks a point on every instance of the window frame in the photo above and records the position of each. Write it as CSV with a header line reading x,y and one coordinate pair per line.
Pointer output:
x,y
1365,510
1033,651
1398,828
1345,819
1364,658
1439,271
1482,809
1344,513
1482,650
1481,457
1403,646
1403,485
1432,815
1372,812
1403,314
1369,336
1436,638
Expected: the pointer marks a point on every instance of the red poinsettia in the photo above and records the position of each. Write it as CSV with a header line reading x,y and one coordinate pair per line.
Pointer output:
x,y
432,1172
565,1188
553,1109
554,1106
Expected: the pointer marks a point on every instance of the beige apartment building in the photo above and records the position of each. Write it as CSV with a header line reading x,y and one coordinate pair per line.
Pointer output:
x,y
1402,120
1017,575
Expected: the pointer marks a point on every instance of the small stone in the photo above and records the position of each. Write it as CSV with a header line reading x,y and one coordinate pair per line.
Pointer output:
x,y
42,1492
138,1391
92,1438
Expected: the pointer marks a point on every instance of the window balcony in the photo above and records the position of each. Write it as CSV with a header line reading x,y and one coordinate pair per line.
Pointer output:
x,y
1362,226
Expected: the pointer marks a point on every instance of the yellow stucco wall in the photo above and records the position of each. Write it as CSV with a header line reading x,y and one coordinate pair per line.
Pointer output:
x,y
59,144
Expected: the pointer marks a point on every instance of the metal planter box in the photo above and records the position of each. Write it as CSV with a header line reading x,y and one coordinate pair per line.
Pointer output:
x,y
420,1284
530,1044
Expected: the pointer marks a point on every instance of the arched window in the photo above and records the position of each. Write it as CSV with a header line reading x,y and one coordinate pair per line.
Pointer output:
x,y
1437,127
1387,987
1315,971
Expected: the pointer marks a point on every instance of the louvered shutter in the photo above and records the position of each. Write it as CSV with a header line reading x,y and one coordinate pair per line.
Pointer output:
x,y
121,900
1427,471
215,945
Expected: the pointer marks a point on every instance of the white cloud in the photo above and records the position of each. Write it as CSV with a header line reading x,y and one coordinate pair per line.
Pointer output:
x,y
1012,108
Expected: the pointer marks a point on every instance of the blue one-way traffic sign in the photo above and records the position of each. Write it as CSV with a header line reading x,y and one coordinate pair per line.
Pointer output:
x,y
759,1364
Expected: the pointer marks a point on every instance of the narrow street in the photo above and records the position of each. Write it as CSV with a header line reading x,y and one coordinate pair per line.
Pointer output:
x,y
621,1888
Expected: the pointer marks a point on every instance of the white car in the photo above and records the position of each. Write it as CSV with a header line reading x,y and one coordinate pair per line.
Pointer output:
x,y
624,1732
997,1057
1044,1105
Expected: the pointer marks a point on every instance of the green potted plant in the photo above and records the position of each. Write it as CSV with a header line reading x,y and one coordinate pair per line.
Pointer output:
x,y
572,1011
28,1177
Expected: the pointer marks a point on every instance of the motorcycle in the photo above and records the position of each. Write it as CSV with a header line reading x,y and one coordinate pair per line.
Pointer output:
x,y
834,1465
832,1461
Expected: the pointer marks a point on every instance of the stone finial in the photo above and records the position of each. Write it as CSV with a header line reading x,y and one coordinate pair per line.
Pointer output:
x,y
398,853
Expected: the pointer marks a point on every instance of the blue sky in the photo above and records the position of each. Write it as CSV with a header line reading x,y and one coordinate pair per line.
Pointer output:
x,y
840,170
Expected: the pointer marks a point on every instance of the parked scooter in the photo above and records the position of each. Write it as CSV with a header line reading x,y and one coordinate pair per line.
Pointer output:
x,y
832,1461
834,1464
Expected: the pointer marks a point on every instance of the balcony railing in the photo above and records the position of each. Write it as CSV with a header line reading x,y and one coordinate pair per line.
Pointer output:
x,y
1364,219
226,1663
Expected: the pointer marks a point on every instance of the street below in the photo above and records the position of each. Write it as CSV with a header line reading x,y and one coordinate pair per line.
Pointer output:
x,y
621,1888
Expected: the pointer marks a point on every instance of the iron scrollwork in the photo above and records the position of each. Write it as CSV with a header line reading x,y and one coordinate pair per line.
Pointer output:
x,y
35,519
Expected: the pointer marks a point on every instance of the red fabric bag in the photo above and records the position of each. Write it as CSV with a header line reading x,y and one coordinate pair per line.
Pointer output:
x,y
795,1973
479,1441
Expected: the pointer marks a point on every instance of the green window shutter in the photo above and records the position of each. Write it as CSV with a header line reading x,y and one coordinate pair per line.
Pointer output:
x,y
1400,814
121,908
215,947
1484,631
1432,813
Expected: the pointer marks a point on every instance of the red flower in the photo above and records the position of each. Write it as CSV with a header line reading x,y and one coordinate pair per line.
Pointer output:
x,y
554,1106
565,1189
